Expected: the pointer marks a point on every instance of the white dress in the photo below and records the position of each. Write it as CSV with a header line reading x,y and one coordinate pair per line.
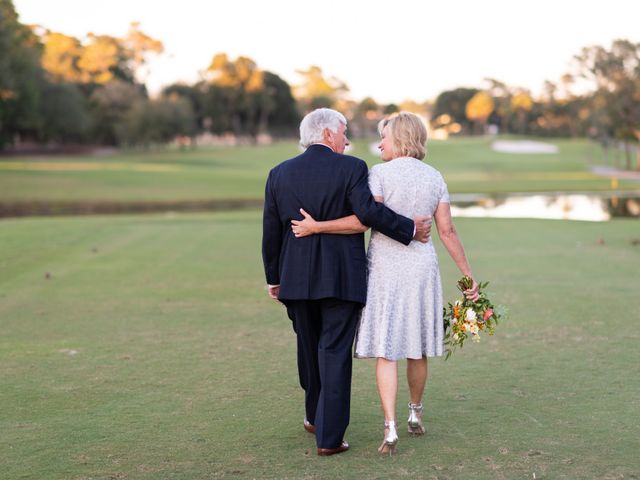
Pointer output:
x,y
403,314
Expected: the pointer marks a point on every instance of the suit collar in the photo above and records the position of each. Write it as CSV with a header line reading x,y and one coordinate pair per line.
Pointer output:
x,y
319,146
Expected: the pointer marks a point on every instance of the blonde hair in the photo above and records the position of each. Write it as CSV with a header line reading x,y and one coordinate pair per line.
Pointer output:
x,y
408,134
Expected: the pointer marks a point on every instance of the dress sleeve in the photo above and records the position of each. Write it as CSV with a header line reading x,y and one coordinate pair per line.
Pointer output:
x,y
444,192
375,183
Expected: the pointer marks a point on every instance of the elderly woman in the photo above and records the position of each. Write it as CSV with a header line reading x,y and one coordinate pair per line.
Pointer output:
x,y
403,314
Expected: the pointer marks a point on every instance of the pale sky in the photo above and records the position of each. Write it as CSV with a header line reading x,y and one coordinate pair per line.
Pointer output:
x,y
390,50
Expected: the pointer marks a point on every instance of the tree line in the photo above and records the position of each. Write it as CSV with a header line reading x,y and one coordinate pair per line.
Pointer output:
x,y
56,88
59,89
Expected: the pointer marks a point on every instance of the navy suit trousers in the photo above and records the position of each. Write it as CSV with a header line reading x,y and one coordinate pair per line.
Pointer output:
x,y
325,330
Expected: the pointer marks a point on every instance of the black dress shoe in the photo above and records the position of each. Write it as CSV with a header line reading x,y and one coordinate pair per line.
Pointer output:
x,y
308,427
325,452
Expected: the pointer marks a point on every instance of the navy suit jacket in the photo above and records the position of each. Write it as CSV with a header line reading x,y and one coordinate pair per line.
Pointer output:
x,y
328,185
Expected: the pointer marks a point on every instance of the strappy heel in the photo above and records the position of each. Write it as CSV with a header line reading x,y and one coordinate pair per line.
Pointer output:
x,y
390,440
414,423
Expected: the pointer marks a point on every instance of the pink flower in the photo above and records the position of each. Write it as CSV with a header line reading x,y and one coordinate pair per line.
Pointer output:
x,y
487,314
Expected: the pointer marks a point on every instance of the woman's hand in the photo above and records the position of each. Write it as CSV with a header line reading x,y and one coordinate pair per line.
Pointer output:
x,y
307,226
472,293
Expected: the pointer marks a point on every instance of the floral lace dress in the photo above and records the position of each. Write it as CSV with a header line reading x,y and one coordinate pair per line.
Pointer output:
x,y
403,314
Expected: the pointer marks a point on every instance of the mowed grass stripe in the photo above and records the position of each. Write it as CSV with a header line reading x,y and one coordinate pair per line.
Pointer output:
x,y
183,368
468,165
53,166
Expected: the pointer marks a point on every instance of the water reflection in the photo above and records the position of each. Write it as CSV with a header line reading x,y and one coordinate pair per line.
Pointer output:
x,y
594,207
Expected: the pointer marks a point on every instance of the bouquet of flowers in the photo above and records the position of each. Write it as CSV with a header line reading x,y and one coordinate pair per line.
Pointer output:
x,y
465,318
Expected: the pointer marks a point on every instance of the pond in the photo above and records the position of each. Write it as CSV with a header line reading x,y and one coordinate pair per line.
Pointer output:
x,y
589,206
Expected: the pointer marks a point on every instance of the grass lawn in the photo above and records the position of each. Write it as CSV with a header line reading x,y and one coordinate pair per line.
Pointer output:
x,y
468,164
144,347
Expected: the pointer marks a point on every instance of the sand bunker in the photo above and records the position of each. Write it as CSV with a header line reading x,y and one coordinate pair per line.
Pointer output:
x,y
523,146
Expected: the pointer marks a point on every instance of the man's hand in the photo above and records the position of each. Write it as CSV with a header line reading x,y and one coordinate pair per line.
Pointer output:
x,y
423,228
274,291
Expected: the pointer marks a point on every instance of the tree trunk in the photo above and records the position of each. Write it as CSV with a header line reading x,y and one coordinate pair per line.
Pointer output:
x,y
264,122
627,154
522,118
236,124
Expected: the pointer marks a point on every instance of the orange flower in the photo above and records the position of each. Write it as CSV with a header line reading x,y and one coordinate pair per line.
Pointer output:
x,y
456,311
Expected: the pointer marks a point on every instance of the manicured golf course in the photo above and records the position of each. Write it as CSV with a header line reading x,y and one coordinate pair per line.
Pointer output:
x,y
469,165
144,347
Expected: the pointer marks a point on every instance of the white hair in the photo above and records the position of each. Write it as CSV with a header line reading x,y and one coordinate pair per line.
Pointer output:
x,y
314,123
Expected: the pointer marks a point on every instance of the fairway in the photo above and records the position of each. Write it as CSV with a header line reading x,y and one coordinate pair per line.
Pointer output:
x,y
145,347
469,165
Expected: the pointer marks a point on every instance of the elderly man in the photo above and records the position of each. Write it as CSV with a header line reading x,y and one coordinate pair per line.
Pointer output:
x,y
322,278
